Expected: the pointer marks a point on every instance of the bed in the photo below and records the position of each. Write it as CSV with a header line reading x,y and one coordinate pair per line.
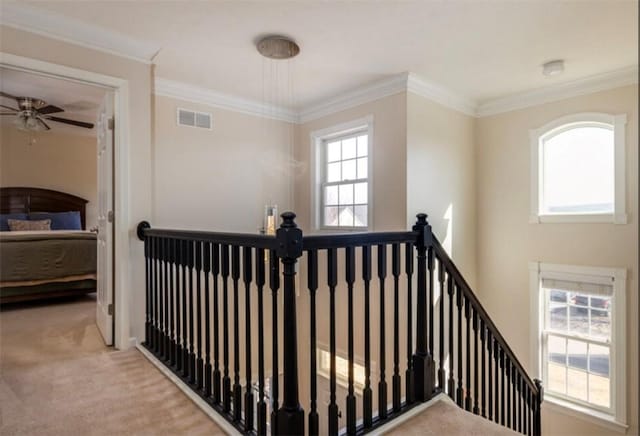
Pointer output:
x,y
45,264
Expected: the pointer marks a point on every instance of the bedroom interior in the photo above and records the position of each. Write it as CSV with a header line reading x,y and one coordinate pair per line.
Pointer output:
x,y
405,323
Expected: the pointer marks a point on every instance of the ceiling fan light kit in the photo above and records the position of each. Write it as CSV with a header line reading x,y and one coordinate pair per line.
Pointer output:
x,y
32,113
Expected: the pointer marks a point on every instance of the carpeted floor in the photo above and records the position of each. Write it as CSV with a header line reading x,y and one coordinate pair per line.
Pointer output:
x,y
57,378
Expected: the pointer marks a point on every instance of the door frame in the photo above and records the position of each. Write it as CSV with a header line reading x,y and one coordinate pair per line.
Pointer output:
x,y
120,88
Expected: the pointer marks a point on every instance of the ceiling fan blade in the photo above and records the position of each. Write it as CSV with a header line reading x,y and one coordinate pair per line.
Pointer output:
x,y
50,109
45,125
9,107
72,122
7,113
4,94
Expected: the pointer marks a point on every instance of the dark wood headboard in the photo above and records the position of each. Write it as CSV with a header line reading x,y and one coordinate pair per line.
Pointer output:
x,y
27,200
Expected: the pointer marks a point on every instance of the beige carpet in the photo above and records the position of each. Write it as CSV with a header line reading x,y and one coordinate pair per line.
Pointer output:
x,y
445,418
57,378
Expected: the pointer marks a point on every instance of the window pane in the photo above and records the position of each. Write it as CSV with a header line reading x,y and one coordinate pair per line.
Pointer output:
x,y
361,216
558,316
599,390
600,324
349,148
333,151
333,172
363,145
579,320
330,195
557,349
349,170
557,375
578,171
330,216
577,384
346,216
599,360
346,194
361,194
362,168
558,296
577,353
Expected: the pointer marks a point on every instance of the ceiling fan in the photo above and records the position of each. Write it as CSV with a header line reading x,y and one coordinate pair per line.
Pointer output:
x,y
32,113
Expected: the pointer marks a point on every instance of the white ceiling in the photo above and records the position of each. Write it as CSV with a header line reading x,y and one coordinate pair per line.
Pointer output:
x,y
480,49
80,102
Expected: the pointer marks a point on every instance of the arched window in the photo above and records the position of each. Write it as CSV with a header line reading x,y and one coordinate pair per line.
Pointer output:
x,y
578,169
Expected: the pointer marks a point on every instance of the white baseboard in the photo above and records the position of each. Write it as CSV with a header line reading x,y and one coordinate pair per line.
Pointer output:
x,y
409,415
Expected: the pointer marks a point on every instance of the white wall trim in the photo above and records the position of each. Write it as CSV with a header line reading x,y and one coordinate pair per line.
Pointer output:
x,y
56,26
122,284
560,91
361,95
439,94
209,97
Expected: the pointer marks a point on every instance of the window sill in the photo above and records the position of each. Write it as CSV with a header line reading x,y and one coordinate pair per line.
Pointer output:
x,y
580,218
584,413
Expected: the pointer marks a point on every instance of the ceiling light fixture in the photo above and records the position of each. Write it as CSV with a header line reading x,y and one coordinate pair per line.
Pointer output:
x,y
277,47
553,68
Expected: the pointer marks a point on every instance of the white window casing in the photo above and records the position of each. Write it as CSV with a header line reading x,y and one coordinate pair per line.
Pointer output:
x,y
617,123
585,280
318,162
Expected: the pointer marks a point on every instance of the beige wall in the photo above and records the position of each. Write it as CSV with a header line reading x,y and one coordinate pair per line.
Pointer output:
x,y
58,161
441,177
138,76
219,179
507,242
388,152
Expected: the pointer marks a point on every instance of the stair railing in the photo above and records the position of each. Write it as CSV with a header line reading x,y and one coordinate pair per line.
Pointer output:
x,y
193,302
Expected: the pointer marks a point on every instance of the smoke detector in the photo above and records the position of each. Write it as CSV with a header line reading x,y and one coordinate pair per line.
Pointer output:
x,y
277,47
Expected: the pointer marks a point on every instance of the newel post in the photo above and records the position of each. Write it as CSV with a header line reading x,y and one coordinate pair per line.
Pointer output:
x,y
423,364
537,420
290,417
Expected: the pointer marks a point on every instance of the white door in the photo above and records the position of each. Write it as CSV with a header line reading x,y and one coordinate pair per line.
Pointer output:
x,y
104,310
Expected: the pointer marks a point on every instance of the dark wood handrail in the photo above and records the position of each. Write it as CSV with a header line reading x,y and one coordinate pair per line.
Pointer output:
x,y
267,242
322,242
468,293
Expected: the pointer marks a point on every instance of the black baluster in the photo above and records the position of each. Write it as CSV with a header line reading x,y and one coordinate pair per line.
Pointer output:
x,y
350,272
148,302
262,405
441,371
467,315
367,395
207,318
476,408
199,361
528,410
172,307
452,382
514,394
483,370
312,283
248,396
178,346
460,390
395,271
382,384
192,354
537,423
409,381
166,354
520,381
423,364
502,376
332,280
160,333
237,389
496,369
151,337
490,374
274,284
430,332
215,257
507,370
226,381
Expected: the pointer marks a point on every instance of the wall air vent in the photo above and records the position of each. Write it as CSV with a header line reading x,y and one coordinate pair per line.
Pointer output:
x,y
189,118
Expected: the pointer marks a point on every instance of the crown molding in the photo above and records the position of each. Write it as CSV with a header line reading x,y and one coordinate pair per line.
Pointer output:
x,y
209,97
560,91
365,94
56,26
439,94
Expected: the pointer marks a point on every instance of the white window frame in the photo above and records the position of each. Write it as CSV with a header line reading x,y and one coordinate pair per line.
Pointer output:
x,y
318,163
537,138
617,419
